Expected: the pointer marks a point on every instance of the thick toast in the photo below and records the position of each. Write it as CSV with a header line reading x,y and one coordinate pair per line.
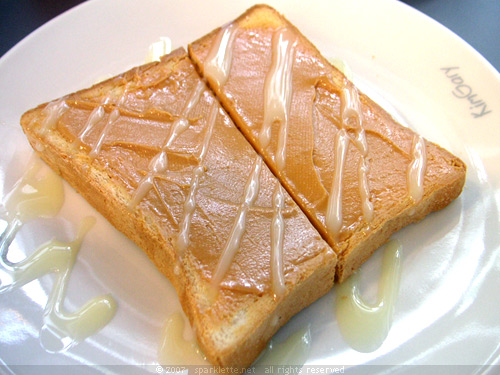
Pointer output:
x,y
154,152
181,201
357,174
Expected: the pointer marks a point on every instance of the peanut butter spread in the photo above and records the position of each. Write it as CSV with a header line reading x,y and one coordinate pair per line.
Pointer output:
x,y
162,135
346,162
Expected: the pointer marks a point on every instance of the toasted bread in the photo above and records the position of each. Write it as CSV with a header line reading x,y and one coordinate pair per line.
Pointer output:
x,y
154,152
357,173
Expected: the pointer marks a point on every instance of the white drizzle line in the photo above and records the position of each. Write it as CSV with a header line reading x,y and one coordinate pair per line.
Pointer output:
x,y
113,116
277,239
278,92
334,216
160,162
364,190
232,245
218,62
416,169
352,116
54,111
95,117
190,203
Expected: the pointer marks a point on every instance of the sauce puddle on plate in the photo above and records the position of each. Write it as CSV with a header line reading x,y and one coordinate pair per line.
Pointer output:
x,y
365,326
40,194
174,349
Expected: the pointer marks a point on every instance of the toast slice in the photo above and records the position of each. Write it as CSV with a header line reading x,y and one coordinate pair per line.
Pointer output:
x,y
155,153
357,174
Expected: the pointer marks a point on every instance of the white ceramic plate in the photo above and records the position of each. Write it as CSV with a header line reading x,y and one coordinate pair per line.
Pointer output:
x,y
448,306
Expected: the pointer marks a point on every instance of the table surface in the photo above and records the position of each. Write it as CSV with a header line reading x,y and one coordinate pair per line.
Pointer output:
x,y
475,21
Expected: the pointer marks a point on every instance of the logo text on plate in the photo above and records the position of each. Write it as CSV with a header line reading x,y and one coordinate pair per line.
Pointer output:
x,y
462,90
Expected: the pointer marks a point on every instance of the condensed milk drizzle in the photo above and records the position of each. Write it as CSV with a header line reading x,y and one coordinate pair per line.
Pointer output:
x,y
54,111
416,169
62,330
174,349
95,117
159,163
365,326
334,215
41,195
232,245
350,112
278,92
277,238
364,190
351,119
218,62
37,194
113,116
190,203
